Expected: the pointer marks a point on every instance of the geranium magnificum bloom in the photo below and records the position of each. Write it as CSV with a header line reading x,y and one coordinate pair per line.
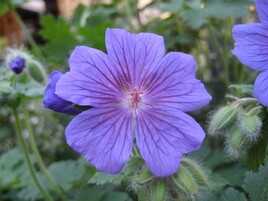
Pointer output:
x,y
136,91
251,48
52,101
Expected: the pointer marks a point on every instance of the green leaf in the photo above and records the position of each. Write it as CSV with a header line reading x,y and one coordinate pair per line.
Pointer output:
x,y
222,9
256,154
217,182
173,6
30,90
81,15
6,3
60,40
5,87
93,193
245,88
194,18
233,194
256,184
94,36
68,174
12,168
117,196
101,178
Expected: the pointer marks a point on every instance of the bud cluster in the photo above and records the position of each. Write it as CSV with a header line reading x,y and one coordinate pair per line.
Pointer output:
x,y
27,76
20,61
183,185
239,122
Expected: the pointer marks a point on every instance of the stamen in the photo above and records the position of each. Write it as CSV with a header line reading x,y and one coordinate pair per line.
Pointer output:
x,y
135,98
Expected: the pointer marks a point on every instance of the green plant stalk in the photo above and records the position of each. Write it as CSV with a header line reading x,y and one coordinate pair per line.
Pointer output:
x,y
37,154
27,33
221,53
27,157
129,14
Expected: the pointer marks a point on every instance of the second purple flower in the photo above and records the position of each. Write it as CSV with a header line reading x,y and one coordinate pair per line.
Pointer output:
x,y
137,92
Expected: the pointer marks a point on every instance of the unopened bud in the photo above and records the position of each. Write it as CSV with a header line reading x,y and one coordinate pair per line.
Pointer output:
x,y
222,119
17,65
36,71
159,191
198,173
143,177
184,181
251,127
235,143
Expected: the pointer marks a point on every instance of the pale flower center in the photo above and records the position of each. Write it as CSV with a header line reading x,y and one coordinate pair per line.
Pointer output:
x,y
135,98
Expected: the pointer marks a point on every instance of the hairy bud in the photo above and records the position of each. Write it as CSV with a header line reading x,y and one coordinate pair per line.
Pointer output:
x,y
36,71
199,175
185,182
143,177
235,143
222,119
159,190
251,127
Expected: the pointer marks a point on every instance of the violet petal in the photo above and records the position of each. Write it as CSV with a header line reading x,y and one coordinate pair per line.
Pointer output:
x,y
91,80
134,55
251,46
104,136
164,135
261,88
173,84
262,8
54,102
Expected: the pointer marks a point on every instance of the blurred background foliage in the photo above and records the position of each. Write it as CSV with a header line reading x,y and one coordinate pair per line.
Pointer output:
x,y
198,27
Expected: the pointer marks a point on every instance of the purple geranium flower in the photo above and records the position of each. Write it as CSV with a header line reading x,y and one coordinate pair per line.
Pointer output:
x,y
251,48
52,101
17,65
137,91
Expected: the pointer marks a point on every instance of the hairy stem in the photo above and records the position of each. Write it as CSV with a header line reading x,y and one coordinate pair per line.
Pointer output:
x,y
37,154
27,157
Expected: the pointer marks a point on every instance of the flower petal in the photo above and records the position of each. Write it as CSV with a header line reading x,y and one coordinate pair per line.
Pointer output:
x,y
91,80
261,88
262,10
54,102
251,46
104,136
164,135
173,84
135,55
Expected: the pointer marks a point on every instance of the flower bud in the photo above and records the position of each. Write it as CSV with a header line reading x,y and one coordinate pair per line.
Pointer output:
x,y
251,127
143,177
236,143
36,71
159,191
222,119
196,170
184,181
17,65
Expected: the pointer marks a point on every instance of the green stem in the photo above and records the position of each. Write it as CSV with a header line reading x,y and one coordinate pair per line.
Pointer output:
x,y
129,14
27,157
37,154
27,33
221,53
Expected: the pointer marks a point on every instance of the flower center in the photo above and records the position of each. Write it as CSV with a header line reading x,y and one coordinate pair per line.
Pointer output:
x,y
135,97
